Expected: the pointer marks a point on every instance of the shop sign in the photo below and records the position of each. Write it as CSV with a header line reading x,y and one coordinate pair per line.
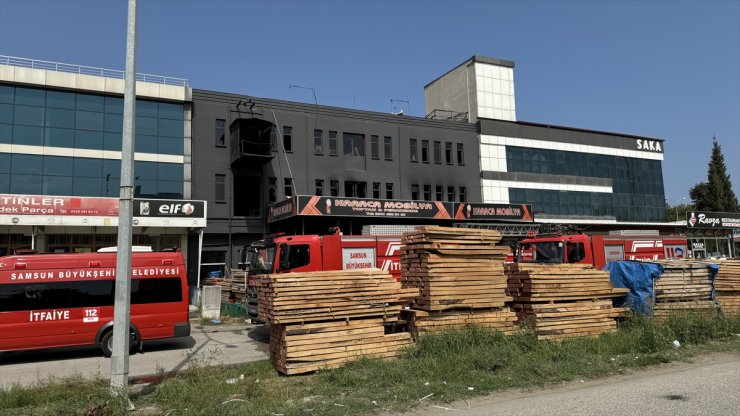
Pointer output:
x,y
379,208
281,210
169,208
701,219
494,212
697,244
57,205
647,145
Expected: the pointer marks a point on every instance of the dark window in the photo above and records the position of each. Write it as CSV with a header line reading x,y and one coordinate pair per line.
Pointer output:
x,y
388,148
332,143
376,190
272,190
460,155
288,187
220,132
576,252
334,187
425,151
247,204
65,295
439,192
288,138
448,153
414,191
437,152
318,142
451,193
354,144
319,187
354,189
462,194
297,256
388,191
374,147
220,188
412,150
273,137
427,192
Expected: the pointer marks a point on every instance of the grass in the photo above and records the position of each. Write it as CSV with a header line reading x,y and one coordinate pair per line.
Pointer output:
x,y
441,368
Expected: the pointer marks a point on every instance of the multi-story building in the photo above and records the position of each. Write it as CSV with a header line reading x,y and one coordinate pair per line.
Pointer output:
x,y
568,174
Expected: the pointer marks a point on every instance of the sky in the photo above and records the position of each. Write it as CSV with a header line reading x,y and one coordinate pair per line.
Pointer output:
x,y
661,69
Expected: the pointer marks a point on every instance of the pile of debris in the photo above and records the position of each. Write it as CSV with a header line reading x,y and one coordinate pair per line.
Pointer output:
x,y
564,300
727,286
324,319
460,276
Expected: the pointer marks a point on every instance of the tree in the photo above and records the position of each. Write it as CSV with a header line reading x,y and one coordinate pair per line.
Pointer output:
x,y
716,194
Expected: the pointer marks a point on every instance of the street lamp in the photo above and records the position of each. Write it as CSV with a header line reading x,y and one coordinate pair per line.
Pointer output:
x,y
675,204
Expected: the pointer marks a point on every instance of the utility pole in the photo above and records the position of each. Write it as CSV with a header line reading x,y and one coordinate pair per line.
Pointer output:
x,y
122,306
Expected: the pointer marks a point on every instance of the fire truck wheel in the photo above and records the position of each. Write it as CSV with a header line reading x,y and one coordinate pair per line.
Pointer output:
x,y
106,344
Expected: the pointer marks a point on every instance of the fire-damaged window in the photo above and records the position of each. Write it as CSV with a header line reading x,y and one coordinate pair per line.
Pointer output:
x,y
462,194
427,192
245,190
354,189
319,187
334,187
389,191
451,193
438,191
414,191
288,188
376,190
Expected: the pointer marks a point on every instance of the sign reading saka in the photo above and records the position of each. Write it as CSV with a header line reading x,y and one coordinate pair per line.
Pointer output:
x,y
489,212
384,208
700,219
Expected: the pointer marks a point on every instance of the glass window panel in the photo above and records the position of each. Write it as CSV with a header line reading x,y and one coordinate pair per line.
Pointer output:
x,y
6,113
25,184
170,146
58,117
59,137
169,189
87,120
29,116
89,139
145,144
114,105
146,125
145,170
4,183
169,172
88,167
7,94
88,102
6,133
33,136
171,111
60,99
5,159
112,167
87,186
146,108
112,141
112,186
113,123
57,185
30,96
145,189
170,128
58,165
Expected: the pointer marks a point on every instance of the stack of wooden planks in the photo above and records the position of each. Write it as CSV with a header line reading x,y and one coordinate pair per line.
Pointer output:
x,y
459,273
727,286
684,286
564,300
233,285
324,319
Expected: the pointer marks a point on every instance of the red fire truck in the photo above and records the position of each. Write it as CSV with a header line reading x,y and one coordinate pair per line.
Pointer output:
x,y
61,300
310,253
600,249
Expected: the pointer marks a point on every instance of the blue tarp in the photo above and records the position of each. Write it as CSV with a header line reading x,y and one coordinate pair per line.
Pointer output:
x,y
638,277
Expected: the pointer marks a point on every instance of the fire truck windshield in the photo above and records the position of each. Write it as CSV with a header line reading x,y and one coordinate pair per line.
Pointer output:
x,y
261,260
542,252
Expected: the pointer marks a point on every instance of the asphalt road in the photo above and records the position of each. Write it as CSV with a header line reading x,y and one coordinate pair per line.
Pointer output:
x,y
208,345
709,386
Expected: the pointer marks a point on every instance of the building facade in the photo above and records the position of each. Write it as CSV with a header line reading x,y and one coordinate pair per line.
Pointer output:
x,y
569,175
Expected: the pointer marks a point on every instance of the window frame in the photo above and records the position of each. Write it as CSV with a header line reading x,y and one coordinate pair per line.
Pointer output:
x,y
460,154
388,147
413,151
220,126
288,139
437,152
318,141
220,182
425,151
374,147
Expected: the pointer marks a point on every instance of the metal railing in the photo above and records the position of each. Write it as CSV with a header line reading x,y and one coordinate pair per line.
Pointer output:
x,y
89,70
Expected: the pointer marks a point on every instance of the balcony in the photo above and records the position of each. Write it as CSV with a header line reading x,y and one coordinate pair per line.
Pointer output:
x,y
251,142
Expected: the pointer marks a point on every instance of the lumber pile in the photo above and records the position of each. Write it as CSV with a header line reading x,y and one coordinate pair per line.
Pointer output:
x,y
563,300
460,276
454,268
233,285
684,286
727,286
324,319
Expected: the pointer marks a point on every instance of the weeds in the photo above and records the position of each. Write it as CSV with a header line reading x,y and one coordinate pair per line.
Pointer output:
x,y
441,368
